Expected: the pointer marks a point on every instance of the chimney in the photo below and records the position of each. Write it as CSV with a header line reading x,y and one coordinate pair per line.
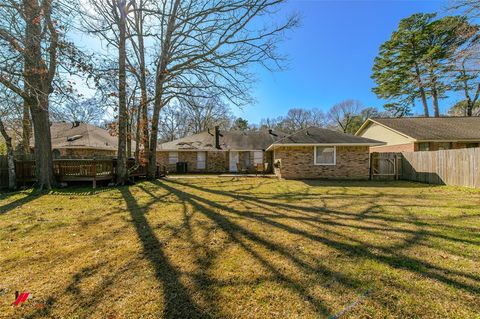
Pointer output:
x,y
217,137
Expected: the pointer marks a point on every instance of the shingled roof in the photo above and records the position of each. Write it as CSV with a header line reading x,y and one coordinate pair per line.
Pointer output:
x,y
229,140
316,135
70,135
432,128
67,135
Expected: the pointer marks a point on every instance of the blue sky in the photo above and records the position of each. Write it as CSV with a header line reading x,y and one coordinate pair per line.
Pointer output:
x,y
331,55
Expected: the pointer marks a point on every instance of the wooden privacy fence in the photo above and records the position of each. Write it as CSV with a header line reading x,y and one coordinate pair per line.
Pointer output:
x,y
459,167
385,165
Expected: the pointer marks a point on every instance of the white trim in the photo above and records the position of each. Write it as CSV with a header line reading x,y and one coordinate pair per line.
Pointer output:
x,y
325,164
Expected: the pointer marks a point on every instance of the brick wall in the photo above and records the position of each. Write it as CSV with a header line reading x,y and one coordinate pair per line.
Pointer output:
x,y
410,147
217,161
352,162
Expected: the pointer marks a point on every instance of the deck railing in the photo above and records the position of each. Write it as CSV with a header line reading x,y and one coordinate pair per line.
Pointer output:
x,y
69,170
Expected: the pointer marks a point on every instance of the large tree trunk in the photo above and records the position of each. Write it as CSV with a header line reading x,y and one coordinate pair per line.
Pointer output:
x,y
43,146
159,83
38,80
122,173
12,179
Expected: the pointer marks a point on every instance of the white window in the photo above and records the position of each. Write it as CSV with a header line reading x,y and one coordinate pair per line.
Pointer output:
x,y
201,160
257,157
172,157
325,155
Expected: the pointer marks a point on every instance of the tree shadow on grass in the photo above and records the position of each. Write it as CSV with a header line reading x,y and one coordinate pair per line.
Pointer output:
x,y
178,302
391,256
30,196
245,238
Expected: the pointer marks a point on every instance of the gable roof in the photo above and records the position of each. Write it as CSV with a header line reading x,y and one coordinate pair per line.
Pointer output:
x,y
431,128
229,140
321,136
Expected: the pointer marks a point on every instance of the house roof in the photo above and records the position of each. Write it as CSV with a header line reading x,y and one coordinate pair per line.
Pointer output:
x,y
229,140
431,128
321,136
66,135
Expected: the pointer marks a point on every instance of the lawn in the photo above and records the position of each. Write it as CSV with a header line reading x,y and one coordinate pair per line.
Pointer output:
x,y
242,248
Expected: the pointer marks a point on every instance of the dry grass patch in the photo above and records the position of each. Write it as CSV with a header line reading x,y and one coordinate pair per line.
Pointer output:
x,y
242,248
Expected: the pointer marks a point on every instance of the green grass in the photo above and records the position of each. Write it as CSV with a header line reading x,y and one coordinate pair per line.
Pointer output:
x,y
242,248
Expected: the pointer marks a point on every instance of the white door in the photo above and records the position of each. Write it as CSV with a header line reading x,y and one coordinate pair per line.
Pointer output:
x,y
201,160
233,161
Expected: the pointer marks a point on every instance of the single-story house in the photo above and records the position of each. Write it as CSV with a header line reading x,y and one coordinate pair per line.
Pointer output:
x,y
82,140
321,153
215,151
309,153
412,134
77,140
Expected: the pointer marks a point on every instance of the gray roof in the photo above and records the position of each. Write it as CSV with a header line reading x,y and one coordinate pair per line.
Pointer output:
x,y
89,136
435,128
84,135
317,135
229,140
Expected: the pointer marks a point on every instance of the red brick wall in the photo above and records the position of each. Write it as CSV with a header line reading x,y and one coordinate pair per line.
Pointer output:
x,y
352,162
393,148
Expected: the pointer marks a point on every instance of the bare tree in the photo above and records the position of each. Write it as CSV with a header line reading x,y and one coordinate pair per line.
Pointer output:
x,y
344,114
109,23
468,7
206,112
30,43
91,110
212,43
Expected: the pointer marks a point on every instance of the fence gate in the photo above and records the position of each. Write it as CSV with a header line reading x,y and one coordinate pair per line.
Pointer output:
x,y
384,165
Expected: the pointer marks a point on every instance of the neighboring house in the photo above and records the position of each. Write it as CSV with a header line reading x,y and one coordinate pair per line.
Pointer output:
x,y
412,134
81,140
321,153
216,151
77,140
309,153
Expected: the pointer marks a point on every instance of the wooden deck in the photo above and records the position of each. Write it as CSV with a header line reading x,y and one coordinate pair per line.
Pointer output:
x,y
79,170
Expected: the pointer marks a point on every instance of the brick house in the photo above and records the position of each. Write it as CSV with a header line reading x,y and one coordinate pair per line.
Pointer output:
x,y
81,140
321,153
412,134
215,151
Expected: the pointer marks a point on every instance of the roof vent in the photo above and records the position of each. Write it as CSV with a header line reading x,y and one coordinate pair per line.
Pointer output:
x,y
73,138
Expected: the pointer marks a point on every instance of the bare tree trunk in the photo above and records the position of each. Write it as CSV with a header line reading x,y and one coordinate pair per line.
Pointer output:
x,y
38,79
159,83
12,180
422,91
433,84
26,128
138,132
122,173
142,120
129,138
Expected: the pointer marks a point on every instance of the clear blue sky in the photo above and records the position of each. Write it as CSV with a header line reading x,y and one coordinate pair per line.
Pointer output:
x,y
332,55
